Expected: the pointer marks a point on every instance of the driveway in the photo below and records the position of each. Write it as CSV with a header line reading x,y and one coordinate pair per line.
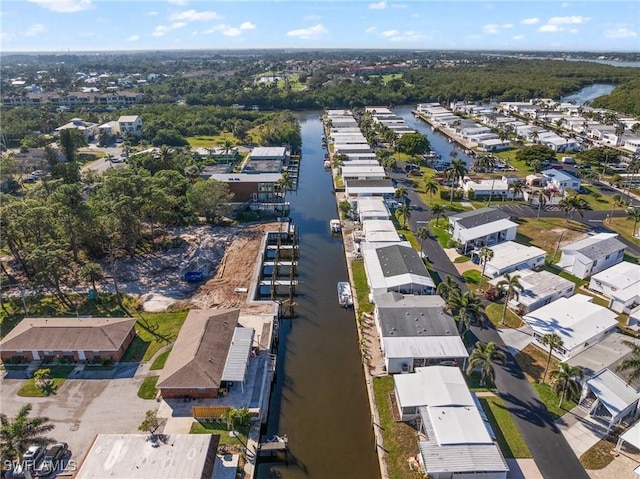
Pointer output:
x,y
82,408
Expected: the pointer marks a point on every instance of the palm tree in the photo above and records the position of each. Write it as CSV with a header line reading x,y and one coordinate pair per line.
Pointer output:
x,y
284,184
534,136
92,272
633,214
572,204
511,287
389,163
422,234
553,341
485,255
447,288
18,434
438,212
483,357
467,306
431,187
456,171
401,194
631,362
619,131
235,416
543,197
566,378
405,212
486,163
517,188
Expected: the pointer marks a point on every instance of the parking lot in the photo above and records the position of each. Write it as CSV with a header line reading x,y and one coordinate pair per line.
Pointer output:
x,y
82,408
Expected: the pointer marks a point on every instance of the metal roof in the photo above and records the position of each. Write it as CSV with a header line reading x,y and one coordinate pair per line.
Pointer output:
x,y
470,219
485,229
413,315
424,347
238,356
624,277
396,260
632,436
614,393
538,285
274,152
511,253
462,458
433,386
597,246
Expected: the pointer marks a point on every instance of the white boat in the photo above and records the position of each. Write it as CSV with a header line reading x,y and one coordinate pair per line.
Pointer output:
x,y
327,165
345,297
335,226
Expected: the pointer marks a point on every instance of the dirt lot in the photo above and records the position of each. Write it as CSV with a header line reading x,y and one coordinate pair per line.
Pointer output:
x,y
226,256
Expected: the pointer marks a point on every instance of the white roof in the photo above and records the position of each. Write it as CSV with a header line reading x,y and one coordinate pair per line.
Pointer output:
x,y
372,205
481,185
464,458
349,170
128,118
374,190
559,175
538,285
268,151
382,236
238,355
632,436
612,391
247,177
624,277
134,456
576,320
424,347
458,425
433,386
511,253
486,229
377,225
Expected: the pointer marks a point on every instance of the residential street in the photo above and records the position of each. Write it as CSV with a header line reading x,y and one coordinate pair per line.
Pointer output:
x,y
551,452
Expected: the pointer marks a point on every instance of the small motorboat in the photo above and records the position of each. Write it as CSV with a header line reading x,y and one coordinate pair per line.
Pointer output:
x,y
327,165
345,298
335,226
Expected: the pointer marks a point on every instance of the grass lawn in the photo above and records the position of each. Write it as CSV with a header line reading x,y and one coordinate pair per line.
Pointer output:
x,y
209,140
563,274
596,200
148,388
442,235
472,279
158,363
624,227
551,400
220,428
599,456
494,313
338,182
462,259
398,222
507,434
362,288
546,232
400,439
58,375
532,361
473,381
154,331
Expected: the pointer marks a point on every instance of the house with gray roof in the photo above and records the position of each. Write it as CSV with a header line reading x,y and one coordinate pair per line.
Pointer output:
x,y
415,331
76,339
211,350
484,227
621,284
592,255
396,268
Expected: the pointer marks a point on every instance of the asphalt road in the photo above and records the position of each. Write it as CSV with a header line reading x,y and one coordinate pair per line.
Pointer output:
x,y
551,452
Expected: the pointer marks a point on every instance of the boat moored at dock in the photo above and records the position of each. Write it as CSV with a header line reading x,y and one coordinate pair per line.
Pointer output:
x,y
345,298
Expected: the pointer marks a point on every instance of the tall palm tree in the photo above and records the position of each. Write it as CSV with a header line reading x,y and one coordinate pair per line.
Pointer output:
x,y
543,198
455,172
467,306
485,255
483,357
511,287
566,379
631,364
517,187
401,194
447,287
486,163
18,434
573,204
405,212
284,184
422,234
534,136
431,187
634,215
389,163
438,211
553,341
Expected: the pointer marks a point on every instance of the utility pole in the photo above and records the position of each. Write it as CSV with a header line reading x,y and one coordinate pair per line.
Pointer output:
x,y
557,246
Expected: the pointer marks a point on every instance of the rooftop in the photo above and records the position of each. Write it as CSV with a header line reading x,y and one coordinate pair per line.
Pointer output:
x,y
624,277
484,229
269,152
538,285
402,315
473,218
597,246
509,253
424,347
612,391
433,386
396,260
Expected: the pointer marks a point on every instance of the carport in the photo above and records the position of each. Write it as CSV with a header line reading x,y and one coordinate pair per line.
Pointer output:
x,y
630,436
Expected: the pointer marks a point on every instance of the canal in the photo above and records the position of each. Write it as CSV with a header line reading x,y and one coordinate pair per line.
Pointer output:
x,y
319,399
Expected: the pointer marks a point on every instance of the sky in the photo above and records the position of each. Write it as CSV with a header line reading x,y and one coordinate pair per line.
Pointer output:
x,y
101,25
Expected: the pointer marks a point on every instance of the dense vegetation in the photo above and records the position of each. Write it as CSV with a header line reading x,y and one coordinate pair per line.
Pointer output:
x,y
625,99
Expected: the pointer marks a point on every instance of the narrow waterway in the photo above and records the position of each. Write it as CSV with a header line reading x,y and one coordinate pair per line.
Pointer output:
x,y
319,399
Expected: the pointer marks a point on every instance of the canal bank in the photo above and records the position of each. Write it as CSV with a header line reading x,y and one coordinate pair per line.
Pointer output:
x,y
319,399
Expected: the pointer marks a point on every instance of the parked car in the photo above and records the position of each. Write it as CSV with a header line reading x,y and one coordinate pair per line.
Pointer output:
x,y
52,458
30,461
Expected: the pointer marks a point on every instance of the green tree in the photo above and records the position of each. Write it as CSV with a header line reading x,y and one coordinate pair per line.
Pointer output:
x,y
18,434
235,416
566,379
345,208
633,214
447,288
210,199
42,378
573,204
631,363
405,212
413,144
482,357
485,255
455,172
552,341
431,187
437,212
511,288
517,189
92,272
532,153
466,306
151,423
401,194
422,233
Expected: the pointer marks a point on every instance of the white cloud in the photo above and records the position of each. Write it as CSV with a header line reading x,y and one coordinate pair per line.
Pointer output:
x,y
518,37
35,29
216,28
194,15
565,5
176,25
152,13
7,37
370,30
507,25
64,6
247,26
390,33
378,6
134,38
232,32
490,29
475,37
621,32
308,33
574,20
160,31
549,28
397,36
530,21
